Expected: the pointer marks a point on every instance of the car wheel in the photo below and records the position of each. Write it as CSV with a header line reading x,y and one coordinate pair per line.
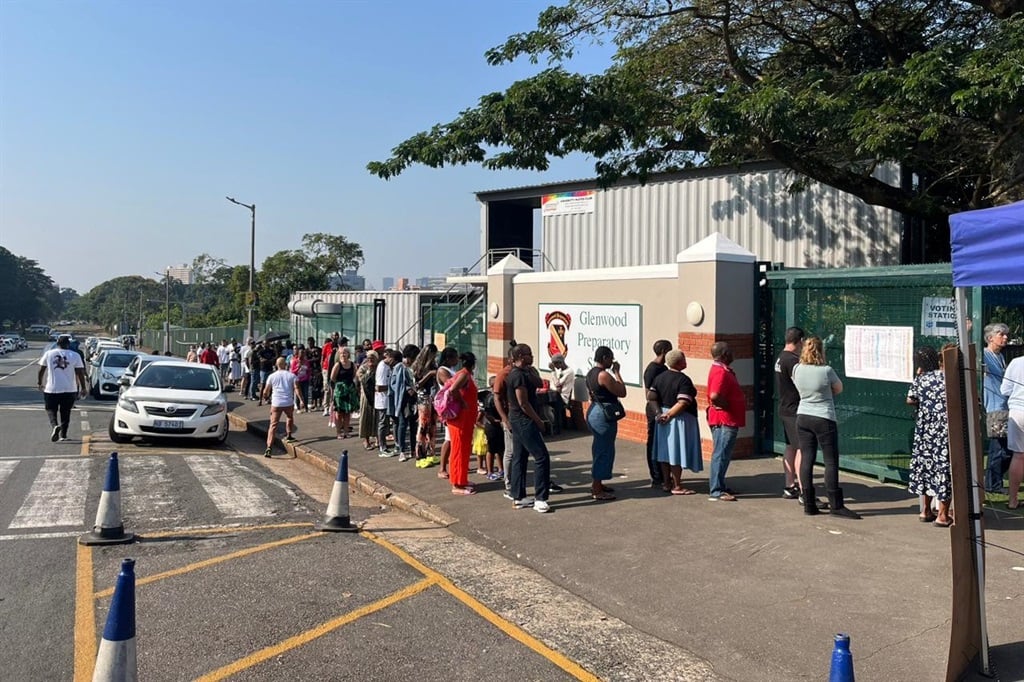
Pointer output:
x,y
116,437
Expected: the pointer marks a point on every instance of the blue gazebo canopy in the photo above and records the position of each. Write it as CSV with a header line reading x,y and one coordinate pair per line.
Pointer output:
x,y
988,246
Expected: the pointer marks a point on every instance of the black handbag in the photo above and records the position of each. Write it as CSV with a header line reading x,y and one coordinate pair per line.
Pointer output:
x,y
613,412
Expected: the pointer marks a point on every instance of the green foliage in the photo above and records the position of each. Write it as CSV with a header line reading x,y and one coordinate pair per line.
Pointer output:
x,y
283,273
120,301
331,254
29,295
831,89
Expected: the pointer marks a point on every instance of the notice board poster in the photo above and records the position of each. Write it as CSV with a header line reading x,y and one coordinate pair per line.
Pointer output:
x,y
566,203
882,353
938,316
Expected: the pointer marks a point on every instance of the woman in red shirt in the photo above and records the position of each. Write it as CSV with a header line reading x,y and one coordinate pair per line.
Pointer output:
x,y
461,428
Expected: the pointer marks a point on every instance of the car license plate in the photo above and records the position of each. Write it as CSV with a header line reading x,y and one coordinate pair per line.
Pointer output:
x,y
168,423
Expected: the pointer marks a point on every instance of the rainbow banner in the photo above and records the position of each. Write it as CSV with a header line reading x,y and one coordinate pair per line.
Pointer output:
x,y
565,203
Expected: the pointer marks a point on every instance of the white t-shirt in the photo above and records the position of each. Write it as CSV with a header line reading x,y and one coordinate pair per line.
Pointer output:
x,y
223,354
383,378
244,355
282,388
60,364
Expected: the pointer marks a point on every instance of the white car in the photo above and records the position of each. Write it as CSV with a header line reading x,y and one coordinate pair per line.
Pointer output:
x,y
172,399
8,344
105,372
138,363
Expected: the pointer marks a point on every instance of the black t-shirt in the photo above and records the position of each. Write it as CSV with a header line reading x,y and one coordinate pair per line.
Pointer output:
x,y
267,358
669,385
522,377
653,371
789,397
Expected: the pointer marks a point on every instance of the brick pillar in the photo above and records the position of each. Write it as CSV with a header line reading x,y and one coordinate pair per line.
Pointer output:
x,y
501,309
716,303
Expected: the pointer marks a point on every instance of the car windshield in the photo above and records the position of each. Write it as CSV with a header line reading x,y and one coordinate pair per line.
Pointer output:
x,y
117,360
179,378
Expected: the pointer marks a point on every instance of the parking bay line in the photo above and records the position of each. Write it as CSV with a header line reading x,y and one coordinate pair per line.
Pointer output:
x,y
139,582
85,616
319,631
509,628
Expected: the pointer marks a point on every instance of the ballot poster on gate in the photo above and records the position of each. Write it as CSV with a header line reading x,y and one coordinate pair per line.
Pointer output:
x,y
882,353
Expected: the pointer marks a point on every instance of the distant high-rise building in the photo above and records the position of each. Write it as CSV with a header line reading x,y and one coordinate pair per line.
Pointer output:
x,y
423,282
182,273
402,284
388,283
350,280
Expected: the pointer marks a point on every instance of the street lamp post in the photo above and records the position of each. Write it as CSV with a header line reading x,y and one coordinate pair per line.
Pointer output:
x,y
167,311
251,298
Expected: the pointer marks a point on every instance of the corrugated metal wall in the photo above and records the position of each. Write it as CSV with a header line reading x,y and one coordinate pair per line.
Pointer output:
x,y
401,311
650,224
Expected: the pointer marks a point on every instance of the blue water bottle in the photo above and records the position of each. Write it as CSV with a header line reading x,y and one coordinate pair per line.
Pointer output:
x,y
842,660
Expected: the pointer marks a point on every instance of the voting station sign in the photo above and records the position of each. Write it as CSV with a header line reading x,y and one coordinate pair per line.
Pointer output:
x,y
938,316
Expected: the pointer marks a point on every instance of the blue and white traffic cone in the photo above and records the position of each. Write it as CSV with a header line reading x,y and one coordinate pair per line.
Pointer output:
x,y
842,660
109,529
116,660
337,519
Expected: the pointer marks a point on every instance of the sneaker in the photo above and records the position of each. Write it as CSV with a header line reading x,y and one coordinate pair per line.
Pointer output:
x,y
724,497
289,438
494,476
822,504
508,496
523,503
404,457
63,439
555,488
791,493
541,506
55,434
845,513
386,453
266,453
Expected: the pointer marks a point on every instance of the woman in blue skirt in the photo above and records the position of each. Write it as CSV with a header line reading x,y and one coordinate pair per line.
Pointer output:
x,y
677,433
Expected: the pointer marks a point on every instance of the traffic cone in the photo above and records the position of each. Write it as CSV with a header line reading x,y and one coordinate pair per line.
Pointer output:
x,y
116,661
337,519
842,660
109,530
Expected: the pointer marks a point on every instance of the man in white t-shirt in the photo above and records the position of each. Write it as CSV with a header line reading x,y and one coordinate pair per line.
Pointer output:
x,y
65,377
280,390
380,400
224,358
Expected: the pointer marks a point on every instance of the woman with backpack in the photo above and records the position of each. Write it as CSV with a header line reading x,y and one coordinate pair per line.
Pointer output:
x,y
424,370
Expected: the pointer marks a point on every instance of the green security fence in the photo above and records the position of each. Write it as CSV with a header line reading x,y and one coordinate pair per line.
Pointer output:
x,y
463,327
355,322
876,425
183,337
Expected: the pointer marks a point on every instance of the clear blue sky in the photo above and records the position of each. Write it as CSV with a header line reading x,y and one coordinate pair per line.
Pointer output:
x,y
123,126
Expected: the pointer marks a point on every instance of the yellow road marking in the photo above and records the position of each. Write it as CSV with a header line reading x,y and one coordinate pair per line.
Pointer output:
x,y
509,628
319,631
209,562
86,439
222,529
85,616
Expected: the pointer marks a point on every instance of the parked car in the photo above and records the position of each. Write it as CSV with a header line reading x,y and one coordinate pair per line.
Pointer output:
x,y
138,363
8,344
39,329
105,370
172,399
17,340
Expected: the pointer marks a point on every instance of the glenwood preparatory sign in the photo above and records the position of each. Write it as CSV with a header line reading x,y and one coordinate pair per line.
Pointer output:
x,y
576,330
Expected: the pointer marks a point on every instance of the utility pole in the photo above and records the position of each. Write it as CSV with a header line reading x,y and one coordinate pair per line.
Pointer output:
x,y
250,299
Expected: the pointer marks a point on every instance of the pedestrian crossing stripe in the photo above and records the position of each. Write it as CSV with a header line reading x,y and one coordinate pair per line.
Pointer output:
x,y
150,495
57,496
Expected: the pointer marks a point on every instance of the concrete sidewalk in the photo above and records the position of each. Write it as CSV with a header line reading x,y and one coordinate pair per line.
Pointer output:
x,y
755,588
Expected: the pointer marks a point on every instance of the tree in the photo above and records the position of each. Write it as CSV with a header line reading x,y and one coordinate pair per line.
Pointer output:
x,y
332,254
118,301
29,293
831,89
283,273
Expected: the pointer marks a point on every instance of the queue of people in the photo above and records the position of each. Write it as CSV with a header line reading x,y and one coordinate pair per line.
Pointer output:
x,y
394,392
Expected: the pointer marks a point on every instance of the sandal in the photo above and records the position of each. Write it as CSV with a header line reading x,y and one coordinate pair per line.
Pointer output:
x,y
602,496
943,524
464,491
1016,505
926,519
442,474
683,491
606,489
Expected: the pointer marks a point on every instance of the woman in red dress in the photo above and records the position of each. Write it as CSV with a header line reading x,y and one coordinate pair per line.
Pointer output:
x,y
462,426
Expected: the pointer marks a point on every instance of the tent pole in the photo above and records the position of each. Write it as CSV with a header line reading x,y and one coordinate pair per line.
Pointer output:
x,y
974,448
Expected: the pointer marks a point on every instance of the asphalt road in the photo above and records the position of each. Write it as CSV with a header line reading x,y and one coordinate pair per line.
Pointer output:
x,y
232,581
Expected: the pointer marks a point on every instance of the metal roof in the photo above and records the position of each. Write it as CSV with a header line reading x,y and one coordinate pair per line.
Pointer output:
x,y
529,191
